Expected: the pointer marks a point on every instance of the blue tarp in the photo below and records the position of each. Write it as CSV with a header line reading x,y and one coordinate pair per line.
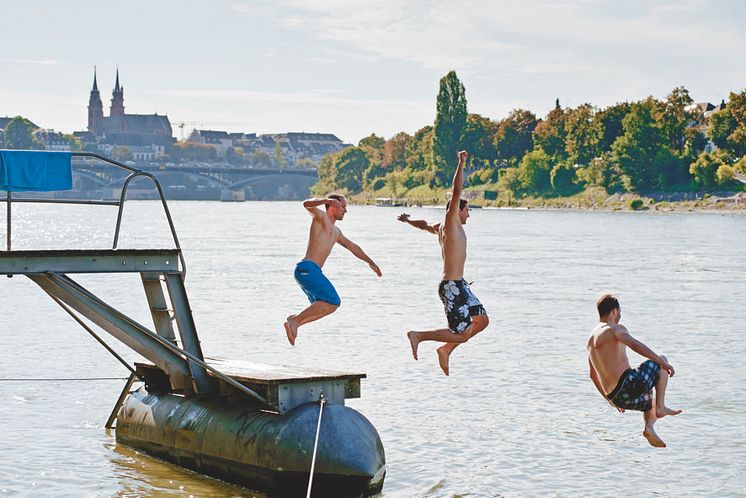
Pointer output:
x,y
34,170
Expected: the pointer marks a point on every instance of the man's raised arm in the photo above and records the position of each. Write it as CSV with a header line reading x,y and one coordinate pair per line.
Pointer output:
x,y
458,184
358,252
623,336
421,224
312,204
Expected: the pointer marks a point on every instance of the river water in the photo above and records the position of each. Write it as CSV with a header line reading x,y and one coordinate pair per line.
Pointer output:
x,y
517,417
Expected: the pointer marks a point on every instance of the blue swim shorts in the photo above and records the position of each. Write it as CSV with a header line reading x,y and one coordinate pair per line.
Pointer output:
x,y
634,390
315,285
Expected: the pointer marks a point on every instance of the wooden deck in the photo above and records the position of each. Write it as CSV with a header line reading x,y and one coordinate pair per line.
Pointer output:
x,y
284,387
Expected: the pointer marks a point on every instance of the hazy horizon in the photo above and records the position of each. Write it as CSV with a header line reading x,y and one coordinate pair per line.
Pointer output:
x,y
356,69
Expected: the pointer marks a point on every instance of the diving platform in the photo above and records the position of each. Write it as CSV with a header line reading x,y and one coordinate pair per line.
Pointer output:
x,y
283,387
244,422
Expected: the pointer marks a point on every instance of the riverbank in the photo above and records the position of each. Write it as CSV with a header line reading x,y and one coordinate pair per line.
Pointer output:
x,y
590,199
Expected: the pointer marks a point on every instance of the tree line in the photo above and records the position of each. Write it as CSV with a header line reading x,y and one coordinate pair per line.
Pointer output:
x,y
644,146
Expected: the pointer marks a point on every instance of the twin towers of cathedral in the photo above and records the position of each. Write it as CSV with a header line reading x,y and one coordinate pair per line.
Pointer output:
x,y
96,107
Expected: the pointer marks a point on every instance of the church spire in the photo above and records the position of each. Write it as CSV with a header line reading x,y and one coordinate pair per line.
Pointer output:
x,y
117,99
95,107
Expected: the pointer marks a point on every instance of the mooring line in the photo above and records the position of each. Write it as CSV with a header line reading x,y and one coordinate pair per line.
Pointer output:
x,y
74,379
322,401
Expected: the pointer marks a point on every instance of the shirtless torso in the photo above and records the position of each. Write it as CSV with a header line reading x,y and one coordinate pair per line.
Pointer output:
x,y
607,354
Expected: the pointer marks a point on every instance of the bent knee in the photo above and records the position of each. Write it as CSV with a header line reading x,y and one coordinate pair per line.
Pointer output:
x,y
480,322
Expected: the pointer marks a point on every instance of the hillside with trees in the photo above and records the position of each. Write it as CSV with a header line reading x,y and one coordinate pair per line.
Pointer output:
x,y
644,147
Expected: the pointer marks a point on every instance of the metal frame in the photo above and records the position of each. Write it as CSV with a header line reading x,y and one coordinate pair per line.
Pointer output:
x,y
134,173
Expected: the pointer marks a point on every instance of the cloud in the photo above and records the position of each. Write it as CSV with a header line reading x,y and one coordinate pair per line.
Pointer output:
x,y
42,62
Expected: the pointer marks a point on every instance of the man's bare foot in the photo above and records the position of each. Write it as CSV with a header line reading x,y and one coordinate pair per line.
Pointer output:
x,y
414,342
291,329
653,438
443,355
662,412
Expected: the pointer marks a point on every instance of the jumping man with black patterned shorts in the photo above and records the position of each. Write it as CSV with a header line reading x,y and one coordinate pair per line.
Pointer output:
x,y
466,315
627,388
323,236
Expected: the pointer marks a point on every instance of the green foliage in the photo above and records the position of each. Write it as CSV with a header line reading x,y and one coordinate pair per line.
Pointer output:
x,y
535,171
260,159
514,136
510,181
450,122
610,122
74,142
121,153
344,170
562,178
419,150
705,168
478,138
550,134
727,128
280,160
634,151
672,119
19,135
395,152
635,204
191,151
583,134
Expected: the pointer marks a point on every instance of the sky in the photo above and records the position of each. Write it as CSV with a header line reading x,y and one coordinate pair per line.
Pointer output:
x,y
353,68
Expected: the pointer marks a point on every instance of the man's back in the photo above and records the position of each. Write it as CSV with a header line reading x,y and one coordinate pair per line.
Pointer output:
x,y
607,355
453,248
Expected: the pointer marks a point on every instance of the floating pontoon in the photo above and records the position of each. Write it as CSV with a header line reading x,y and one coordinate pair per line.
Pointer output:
x,y
279,430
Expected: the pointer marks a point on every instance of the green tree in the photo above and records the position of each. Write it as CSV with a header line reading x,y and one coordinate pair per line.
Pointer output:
x,y
478,139
514,136
705,169
419,150
121,153
672,118
349,166
260,159
634,152
583,134
395,152
450,122
510,181
280,159
610,121
535,171
727,127
19,135
562,178
550,133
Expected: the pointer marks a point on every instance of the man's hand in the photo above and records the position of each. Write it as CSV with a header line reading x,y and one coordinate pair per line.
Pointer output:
x,y
667,367
620,410
376,269
404,217
332,202
462,155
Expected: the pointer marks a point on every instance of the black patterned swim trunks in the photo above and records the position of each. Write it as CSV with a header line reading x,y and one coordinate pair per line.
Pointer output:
x,y
460,304
633,392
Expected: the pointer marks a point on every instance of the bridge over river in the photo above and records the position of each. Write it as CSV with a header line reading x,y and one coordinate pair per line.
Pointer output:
x,y
93,179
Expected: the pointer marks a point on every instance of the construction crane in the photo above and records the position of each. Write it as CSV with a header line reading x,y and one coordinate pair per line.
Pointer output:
x,y
182,124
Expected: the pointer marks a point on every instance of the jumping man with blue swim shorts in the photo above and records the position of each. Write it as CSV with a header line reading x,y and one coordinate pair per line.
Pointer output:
x,y
627,388
466,315
324,234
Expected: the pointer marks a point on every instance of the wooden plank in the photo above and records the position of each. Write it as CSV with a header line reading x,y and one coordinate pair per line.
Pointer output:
x,y
256,373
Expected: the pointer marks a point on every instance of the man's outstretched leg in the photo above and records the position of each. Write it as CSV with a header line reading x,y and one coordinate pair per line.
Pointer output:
x,y
442,335
317,309
661,409
478,324
650,418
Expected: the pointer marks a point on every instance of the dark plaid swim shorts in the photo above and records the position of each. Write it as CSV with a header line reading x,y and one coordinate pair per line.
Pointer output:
x,y
460,304
634,390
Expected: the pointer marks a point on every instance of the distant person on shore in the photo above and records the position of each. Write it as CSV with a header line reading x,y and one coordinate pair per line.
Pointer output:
x,y
623,387
323,235
466,315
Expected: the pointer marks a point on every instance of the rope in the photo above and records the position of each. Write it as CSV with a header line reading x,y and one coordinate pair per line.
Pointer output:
x,y
61,380
322,401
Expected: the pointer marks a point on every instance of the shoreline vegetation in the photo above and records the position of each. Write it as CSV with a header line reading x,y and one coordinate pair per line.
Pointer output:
x,y
591,199
667,154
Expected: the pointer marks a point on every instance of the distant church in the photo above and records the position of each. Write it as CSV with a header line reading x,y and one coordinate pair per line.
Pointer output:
x,y
145,135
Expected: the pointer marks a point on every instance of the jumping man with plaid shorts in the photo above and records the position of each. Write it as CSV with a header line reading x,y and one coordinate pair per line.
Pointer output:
x,y
627,388
465,314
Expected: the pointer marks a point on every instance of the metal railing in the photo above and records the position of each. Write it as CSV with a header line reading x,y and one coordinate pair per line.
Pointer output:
x,y
134,173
